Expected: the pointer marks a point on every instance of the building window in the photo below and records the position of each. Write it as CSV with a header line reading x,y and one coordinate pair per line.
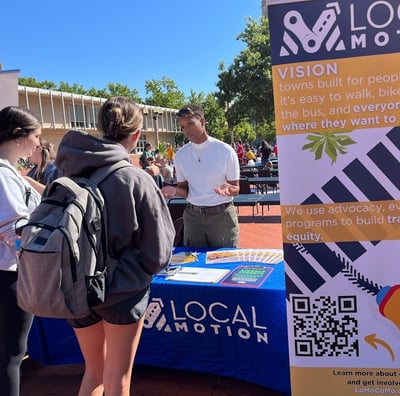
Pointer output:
x,y
92,116
84,117
141,143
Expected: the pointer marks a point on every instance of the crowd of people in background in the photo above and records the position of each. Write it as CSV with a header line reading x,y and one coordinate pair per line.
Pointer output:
x,y
39,168
159,165
247,154
251,154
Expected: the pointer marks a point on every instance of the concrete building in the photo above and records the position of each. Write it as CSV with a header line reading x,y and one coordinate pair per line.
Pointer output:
x,y
61,111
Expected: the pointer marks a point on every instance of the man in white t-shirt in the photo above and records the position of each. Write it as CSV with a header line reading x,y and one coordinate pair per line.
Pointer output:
x,y
207,174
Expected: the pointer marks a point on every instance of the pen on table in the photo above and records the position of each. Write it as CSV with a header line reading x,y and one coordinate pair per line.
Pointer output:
x,y
173,268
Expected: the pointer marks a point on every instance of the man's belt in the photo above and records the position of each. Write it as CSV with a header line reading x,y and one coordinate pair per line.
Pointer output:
x,y
209,210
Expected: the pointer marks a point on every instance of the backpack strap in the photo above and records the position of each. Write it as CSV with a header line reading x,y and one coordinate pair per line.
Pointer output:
x,y
98,176
28,190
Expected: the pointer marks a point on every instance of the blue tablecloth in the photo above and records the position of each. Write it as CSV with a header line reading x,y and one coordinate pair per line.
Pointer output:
x,y
236,331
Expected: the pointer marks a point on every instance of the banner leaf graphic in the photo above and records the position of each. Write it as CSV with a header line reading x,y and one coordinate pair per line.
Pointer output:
x,y
332,144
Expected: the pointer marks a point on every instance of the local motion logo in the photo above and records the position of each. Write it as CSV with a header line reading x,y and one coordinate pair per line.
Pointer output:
x,y
369,24
325,31
214,319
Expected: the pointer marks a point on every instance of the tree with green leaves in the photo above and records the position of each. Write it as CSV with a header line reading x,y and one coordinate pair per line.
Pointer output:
x,y
122,90
265,131
31,82
215,118
244,132
112,89
196,98
245,87
75,88
164,93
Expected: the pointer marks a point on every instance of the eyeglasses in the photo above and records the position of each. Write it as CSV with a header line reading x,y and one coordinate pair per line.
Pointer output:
x,y
185,111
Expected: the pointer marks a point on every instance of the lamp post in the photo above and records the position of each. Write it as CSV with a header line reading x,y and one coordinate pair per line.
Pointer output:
x,y
227,107
156,113
145,114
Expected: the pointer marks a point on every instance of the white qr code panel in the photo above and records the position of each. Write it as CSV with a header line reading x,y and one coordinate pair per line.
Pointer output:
x,y
325,326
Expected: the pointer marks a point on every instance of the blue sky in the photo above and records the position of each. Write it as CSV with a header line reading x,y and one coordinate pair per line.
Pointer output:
x,y
94,42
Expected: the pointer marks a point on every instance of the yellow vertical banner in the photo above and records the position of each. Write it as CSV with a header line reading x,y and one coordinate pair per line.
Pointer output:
x,y
336,81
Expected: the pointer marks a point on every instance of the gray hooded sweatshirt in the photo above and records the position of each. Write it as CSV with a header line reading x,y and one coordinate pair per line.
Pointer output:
x,y
140,229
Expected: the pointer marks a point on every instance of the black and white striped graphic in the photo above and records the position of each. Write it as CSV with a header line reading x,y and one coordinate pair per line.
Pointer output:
x,y
374,177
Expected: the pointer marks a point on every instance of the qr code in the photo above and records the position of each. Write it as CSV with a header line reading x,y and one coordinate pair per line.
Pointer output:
x,y
325,326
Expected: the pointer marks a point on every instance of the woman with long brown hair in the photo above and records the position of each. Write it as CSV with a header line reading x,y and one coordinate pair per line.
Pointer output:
x,y
19,137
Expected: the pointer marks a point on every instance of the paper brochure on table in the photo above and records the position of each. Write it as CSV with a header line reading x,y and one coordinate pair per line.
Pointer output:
x,y
267,256
248,276
183,258
198,274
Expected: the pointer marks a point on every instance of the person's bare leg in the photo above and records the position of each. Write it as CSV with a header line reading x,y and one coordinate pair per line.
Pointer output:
x,y
122,343
92,343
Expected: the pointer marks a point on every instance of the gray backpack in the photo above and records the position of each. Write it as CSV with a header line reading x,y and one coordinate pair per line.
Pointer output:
x,y
64,264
